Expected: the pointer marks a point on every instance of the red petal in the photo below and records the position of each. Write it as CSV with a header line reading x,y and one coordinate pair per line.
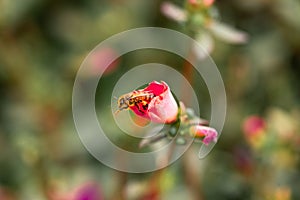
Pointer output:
x,y
156,88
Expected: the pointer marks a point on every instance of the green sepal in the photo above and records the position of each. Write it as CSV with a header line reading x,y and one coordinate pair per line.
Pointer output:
x,y
142,86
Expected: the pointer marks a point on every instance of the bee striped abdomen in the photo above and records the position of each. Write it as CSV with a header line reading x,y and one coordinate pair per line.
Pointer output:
x,y
142,99
138,99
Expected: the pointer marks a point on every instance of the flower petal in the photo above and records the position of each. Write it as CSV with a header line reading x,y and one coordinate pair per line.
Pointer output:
x,y
227,33
163,108
156,88
173,12
207,133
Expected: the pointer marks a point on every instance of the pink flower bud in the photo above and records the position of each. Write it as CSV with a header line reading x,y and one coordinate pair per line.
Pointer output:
x,y
193,2
253,125
161,107
208,3
208,134
85,191
254,128
103,58
89,191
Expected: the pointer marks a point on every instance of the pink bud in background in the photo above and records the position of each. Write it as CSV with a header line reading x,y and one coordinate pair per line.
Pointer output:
x,y
254,128
208,134
88,191
101,58
193,2
208,3
253,125
84,191
161,108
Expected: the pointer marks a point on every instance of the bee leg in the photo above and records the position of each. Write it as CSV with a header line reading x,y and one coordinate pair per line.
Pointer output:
x,y
145,106
139,108
117,111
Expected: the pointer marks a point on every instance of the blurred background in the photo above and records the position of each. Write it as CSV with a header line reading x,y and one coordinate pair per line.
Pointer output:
x,y
43,43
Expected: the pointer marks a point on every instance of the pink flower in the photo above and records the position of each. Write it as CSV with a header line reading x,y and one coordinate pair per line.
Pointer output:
x,y
103,58
193,2
206,3
89,191
208,134
254,128
161,107
253,125
85,191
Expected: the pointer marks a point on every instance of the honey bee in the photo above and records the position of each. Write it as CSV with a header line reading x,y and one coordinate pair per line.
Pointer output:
x,y
135,98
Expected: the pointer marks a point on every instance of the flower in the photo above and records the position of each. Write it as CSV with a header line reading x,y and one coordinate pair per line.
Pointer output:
x,y
201,17
161,108
227,33
208,134
206,3
85,191
173,12
103,58
193,2
254,125
88,191
254,128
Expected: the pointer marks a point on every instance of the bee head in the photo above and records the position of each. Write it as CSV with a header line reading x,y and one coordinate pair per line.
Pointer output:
x,y
122,103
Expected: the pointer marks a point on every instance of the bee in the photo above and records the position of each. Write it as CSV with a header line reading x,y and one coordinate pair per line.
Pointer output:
x,y
140,99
